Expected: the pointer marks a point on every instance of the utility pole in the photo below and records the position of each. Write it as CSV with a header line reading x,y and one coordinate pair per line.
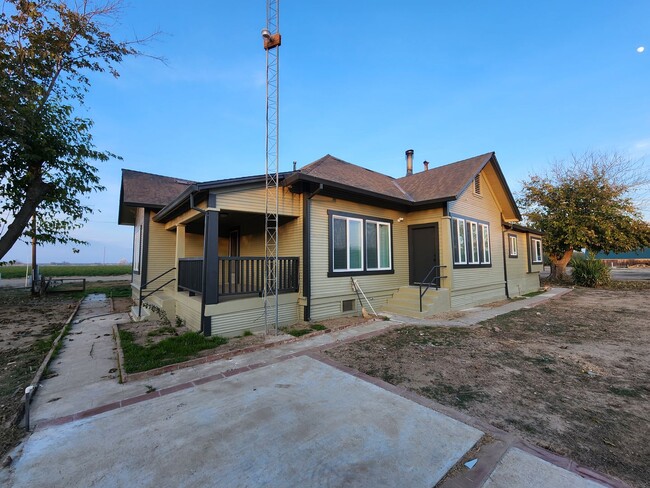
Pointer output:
x,y
272,41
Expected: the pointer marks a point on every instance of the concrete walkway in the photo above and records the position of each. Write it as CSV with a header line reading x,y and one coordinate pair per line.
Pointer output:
x,y
284,416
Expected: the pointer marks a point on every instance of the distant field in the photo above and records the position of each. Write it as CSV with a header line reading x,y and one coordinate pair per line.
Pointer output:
x,y
68,270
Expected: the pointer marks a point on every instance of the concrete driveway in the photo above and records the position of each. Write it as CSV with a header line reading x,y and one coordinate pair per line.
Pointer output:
x,y
298,422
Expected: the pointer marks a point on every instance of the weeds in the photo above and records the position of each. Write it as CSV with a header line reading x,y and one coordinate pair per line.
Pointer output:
x,y
168,351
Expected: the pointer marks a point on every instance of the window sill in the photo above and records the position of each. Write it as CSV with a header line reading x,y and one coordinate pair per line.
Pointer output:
x,y
338,274
471,266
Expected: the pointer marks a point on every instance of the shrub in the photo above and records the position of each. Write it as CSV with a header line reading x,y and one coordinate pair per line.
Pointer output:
x,y
590,272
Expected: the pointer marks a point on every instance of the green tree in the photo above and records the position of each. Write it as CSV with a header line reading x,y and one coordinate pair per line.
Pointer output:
x,y
48,49
587,203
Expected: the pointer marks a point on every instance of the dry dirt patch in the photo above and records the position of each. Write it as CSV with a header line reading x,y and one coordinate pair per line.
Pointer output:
x,y
27,326
570,375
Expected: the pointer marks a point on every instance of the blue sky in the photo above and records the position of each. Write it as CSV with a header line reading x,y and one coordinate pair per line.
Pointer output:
x,y
365,80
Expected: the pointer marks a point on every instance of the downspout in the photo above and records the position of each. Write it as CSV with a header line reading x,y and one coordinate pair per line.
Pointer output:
x,y
503,247
306,249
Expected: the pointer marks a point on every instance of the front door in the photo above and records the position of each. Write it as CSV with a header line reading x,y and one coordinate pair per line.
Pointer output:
x,y
423,252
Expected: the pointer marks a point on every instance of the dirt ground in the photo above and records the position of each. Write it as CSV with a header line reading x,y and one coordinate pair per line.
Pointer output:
x,y
571,375
27,327
152,331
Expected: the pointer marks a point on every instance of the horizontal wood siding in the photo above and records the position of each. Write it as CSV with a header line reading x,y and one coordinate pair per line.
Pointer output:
x,y
188,309
520,280
253,199
474,286
162,253
234,317
327,293
193,245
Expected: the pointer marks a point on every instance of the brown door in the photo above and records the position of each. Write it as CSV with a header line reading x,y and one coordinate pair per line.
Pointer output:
x,y
423,252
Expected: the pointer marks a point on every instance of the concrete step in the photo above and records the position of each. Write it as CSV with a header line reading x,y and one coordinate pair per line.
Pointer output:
x,y
409,312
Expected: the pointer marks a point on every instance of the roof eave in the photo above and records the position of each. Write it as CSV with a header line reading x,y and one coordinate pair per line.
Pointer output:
x,y
295,177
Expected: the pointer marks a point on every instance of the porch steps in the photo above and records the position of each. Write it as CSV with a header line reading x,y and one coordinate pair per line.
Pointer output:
x,y
159,299
406,301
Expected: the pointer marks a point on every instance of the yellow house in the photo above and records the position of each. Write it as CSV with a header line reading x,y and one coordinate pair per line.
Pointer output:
x,y
441,239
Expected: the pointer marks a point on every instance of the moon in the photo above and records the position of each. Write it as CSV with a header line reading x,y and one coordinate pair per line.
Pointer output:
x,y
640,49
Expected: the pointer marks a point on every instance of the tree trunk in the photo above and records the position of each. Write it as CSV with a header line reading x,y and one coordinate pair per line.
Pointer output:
x,y
558,266
35,194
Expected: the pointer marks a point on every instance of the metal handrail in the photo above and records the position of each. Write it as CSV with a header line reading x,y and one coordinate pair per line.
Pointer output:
x,y
144,287
429,283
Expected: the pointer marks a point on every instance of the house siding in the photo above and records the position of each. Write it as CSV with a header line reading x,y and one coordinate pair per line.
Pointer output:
x,y
162,253
327,293
233,317
474,286
193,245
135,282
253,199
523,276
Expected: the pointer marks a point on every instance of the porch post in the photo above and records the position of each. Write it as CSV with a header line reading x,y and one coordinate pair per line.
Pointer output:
x,y
446,252
180,248
210,263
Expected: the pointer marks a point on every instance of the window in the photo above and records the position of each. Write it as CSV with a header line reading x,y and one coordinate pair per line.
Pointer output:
x,y
460,252
512,246
471,242
536,244
347,240
378,245
359,244
485,243
347,306
137,247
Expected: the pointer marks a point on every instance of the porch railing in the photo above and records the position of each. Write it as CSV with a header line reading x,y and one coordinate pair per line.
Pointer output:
x,y
431,279
238,275
190,274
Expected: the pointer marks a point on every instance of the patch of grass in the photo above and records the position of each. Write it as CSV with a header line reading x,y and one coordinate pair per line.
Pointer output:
x,y
168,351
534,293
318,327
162,331
247,333
626,392
69,270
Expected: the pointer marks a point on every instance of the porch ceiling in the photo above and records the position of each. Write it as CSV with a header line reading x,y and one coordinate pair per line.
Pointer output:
x,y
230,220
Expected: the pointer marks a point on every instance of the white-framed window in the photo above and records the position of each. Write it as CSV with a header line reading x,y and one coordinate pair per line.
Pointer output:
x,y
471,242
536,245
513,250
137,247
359,244
485,243
347,243
378,245
460,250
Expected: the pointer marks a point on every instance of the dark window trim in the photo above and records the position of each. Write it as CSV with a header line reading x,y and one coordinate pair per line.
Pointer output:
x,y
510,255
364,272
481,263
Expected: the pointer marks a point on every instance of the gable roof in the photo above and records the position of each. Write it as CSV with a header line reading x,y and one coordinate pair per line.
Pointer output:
x,y
139,189
329,168
436,185
444,182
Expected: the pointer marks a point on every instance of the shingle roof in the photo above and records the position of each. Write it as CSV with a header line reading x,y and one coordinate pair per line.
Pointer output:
x,y
443,182
338,171
149,190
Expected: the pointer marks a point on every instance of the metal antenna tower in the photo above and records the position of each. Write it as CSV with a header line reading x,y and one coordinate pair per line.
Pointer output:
x,y
272,41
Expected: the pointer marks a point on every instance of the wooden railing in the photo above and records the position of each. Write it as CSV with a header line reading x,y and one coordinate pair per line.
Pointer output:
x,y
238,275
190,274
